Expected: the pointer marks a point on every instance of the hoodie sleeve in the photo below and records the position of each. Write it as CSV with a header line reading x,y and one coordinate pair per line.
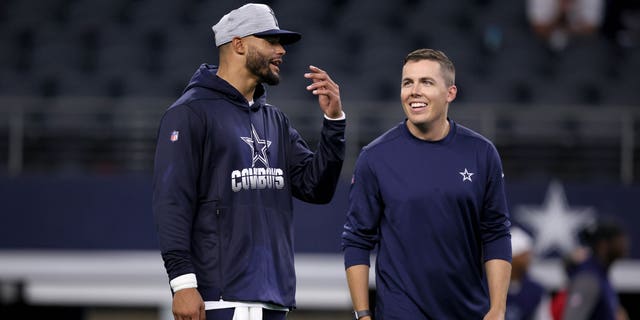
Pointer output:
x,y
314,176
176,170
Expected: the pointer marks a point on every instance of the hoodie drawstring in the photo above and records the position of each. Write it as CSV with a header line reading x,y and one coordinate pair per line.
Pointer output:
x,y
265,129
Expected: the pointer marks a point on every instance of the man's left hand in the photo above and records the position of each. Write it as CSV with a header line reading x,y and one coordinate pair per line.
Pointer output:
x,y
328,92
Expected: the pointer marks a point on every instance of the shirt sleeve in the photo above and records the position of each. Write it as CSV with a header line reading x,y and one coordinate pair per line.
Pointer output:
x,y
361,229
176,170
495,222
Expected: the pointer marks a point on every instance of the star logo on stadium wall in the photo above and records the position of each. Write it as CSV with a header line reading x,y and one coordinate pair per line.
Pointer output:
x,y
466,175
258,153
555,224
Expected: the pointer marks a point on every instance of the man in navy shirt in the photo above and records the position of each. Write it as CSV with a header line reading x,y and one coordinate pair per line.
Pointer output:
x,y
429,193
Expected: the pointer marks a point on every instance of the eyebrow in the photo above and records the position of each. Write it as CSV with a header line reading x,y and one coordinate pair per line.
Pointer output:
x,y
419,79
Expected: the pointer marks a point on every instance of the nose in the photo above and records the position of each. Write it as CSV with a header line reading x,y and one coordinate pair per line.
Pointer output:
x,y
415,90
280,49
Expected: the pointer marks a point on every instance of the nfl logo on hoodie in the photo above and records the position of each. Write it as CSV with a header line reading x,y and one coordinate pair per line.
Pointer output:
x,y
174,136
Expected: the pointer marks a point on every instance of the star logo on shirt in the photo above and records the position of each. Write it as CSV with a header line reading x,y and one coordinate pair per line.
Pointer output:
x,y
258,148
466,175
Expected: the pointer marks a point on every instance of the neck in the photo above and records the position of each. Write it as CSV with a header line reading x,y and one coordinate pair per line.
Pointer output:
x,y
435,132
239,77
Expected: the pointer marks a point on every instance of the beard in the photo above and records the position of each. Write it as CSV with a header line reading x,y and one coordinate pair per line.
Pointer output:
x,y
259,66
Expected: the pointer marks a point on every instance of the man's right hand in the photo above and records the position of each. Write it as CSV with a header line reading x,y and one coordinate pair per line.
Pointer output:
x,y
188,305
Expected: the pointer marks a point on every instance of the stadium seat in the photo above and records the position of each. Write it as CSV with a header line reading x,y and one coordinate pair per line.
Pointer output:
x,y
84,14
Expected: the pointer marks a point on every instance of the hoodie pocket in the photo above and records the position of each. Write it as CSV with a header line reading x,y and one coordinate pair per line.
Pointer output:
x,y
220,273
207,245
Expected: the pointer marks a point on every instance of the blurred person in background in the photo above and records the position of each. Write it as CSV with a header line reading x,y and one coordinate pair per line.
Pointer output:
x,y
527,299
570,262
226,168
429,194
590,294
556,21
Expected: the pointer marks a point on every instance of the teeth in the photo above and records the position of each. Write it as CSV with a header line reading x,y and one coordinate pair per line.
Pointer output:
x,y
418,104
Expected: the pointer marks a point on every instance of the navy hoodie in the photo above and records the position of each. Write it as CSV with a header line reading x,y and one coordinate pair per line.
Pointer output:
x,y
224,176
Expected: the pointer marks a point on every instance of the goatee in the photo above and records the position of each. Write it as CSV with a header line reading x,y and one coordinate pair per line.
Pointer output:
x,y
260,66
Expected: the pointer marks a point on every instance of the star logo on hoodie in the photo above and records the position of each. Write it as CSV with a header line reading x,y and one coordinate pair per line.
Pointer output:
x,y
258,148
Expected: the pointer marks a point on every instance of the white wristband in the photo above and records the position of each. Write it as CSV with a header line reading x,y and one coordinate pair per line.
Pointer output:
x,y
341,117
183,282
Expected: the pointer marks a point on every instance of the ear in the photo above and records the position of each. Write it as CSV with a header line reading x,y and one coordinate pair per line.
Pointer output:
x,y
452,92
238,45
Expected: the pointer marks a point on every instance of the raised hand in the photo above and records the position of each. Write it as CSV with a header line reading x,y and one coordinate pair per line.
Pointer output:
x,y
328,92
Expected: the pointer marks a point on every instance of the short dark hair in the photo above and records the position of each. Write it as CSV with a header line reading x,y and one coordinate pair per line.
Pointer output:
x,y
446,65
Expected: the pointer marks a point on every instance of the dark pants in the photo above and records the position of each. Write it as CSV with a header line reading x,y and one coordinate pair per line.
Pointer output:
x,y
227,314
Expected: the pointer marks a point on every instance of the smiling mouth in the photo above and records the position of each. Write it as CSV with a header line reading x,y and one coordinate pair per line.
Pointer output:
x,y
276,63
417,105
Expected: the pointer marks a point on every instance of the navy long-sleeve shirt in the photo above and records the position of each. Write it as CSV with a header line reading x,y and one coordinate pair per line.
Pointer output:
x,y
436,211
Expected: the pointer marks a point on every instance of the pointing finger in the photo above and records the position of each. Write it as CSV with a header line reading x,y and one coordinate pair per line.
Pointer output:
x,y
316,69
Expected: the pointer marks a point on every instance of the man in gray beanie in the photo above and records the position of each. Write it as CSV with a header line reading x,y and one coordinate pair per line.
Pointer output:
x,y
227,165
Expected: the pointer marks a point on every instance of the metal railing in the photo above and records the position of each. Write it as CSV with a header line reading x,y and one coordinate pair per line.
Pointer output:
x,y
102,135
